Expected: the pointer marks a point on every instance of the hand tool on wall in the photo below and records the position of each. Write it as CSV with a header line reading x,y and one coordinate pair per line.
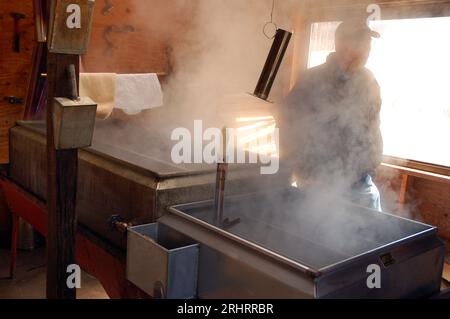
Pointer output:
x,y
17,17
13,100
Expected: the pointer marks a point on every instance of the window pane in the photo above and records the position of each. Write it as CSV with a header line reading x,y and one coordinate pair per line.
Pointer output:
x,y
411,62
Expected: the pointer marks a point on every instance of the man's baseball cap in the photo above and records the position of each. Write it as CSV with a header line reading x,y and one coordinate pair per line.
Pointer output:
x,y
354,30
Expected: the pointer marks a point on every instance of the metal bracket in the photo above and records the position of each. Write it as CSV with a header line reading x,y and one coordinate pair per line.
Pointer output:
x,y
13,100
117,223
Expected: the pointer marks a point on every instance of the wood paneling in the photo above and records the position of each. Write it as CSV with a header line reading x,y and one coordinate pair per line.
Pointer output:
x,y
336,10
420,198
135,36
433,203
14,67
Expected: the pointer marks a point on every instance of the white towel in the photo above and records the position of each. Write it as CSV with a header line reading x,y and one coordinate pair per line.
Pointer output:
x,y
100,87
138,92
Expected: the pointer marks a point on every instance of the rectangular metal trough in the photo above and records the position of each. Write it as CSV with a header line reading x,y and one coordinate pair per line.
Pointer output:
x,y
286,251
120,176
161,266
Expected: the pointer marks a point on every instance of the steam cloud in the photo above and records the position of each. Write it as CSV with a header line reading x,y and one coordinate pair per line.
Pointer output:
x,y
220,54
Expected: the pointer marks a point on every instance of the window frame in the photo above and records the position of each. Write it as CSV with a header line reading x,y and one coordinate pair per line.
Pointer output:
x,y
417,165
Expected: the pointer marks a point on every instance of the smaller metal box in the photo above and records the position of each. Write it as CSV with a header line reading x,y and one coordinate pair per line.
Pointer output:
x,y
161,262
73,122
70,26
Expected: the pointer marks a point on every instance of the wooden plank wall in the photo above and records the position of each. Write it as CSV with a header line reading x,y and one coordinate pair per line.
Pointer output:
x,y
417,198
14,77
14,67
433,203
136,36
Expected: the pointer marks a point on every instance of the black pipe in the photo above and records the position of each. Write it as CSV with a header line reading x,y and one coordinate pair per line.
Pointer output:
x,y
71,74
273,62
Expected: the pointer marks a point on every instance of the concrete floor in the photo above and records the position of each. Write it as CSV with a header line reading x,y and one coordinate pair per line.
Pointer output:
x,y
29,282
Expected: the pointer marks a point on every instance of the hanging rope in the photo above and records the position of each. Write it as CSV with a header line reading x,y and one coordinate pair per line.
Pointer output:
x,y
270,23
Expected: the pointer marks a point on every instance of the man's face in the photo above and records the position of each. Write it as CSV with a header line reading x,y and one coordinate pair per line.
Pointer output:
x,y
354,53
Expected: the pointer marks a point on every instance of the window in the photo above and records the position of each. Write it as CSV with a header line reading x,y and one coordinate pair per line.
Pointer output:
x,y
411,62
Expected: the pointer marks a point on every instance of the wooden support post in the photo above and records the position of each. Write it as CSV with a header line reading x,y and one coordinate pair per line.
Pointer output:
x,y
69,29
62,166
403,191
14,235
405,187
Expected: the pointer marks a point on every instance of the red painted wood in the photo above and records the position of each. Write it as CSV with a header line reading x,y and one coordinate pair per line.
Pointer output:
x,y
108,269
14,235
32,211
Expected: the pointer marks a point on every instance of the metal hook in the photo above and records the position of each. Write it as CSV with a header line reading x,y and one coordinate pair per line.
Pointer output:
x,y
265,30
108,7
270,23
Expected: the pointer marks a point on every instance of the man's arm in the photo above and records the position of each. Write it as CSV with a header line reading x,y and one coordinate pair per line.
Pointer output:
x,y
375,127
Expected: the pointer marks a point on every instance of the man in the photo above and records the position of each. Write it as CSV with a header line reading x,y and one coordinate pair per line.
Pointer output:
x,y
330,122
